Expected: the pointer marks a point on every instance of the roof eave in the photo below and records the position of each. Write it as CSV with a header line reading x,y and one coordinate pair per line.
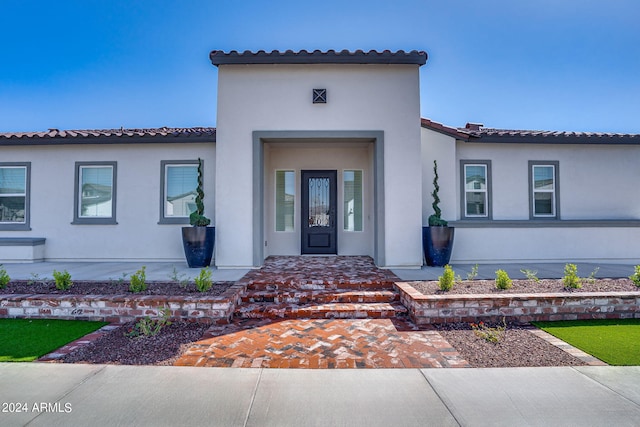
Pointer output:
x,y
414,57
558,139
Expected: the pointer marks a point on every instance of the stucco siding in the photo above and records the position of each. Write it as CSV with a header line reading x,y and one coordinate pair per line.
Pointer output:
x,y
368,98
595,182
599,211
441,148
137,234
540,244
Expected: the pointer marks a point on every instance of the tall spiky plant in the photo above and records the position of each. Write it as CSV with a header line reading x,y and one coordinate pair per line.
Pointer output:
x,y
435,220
197,218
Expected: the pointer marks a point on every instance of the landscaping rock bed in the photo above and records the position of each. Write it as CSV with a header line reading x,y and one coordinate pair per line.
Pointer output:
x,y
525,286
117,348
112,288
516,348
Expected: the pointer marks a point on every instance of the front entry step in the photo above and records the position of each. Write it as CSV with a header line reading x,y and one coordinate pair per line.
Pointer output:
x,y
320,311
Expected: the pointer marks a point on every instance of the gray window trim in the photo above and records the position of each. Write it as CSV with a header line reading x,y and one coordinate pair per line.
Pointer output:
x,y
77,220
163,168
27,214
556,178
463,208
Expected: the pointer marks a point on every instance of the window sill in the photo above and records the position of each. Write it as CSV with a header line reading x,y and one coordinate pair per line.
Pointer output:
x,y
15,227
165,221
96,221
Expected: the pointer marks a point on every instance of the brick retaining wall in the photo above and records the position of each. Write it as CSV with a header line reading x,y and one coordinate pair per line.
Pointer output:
x,y
121,308
425,309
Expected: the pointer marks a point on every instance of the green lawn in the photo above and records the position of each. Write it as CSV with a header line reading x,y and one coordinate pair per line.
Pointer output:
x,y
616,342
25,340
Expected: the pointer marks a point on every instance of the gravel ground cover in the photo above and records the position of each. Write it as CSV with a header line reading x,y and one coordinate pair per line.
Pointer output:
x,y
525,286
112,288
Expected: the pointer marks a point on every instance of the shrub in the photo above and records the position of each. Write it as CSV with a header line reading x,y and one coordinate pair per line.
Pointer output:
x,y
179,278
63,280
530,274
203,280
148,327
35,278
489,334
635,277
592,277
503,281
138,281
445,282
4,277
473,273
571,279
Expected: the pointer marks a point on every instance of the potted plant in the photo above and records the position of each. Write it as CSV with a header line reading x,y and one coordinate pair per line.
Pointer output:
x,y
437,238
198,240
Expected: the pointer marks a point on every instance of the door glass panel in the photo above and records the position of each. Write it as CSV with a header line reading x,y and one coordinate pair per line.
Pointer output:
x,y
319,202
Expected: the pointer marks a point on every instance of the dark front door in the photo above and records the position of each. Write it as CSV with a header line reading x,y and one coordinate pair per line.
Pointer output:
x,y
319,203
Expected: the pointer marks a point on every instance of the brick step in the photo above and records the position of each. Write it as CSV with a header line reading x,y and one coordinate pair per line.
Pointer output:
x,y
321,297
320,311
319,285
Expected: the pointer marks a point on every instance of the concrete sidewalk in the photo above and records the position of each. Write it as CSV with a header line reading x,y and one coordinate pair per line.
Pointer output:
x,y
110,395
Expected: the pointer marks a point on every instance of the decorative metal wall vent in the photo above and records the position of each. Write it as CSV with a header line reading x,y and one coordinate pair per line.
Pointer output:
x,y
319,96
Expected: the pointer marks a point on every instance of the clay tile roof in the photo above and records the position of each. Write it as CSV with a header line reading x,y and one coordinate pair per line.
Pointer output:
x,y
475,132
551,137
219,57
447,130
109,136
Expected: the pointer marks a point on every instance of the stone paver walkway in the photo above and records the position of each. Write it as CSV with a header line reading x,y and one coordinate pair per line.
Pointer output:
x,y
322,343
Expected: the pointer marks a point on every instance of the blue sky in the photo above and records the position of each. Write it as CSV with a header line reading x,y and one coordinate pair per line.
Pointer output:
x,y
543,64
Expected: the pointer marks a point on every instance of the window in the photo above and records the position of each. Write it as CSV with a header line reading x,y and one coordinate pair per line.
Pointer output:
x,y
476,189
285,200
14,196
543,189
178,183
352,200
95,193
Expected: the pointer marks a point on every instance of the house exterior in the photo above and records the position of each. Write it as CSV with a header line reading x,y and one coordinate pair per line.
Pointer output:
x,y
319,153
517,195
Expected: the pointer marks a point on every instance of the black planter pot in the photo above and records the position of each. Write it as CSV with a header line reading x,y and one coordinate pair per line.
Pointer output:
x,y
437,243
198,245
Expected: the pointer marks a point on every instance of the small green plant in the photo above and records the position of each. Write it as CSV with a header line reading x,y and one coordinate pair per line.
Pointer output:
x,y
592,276
445,282
571,279
203,280
148,326
503,281
4,277
180,278
119,281
138,281
530,274
34,279
489,334
635,277
62,279
473,273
